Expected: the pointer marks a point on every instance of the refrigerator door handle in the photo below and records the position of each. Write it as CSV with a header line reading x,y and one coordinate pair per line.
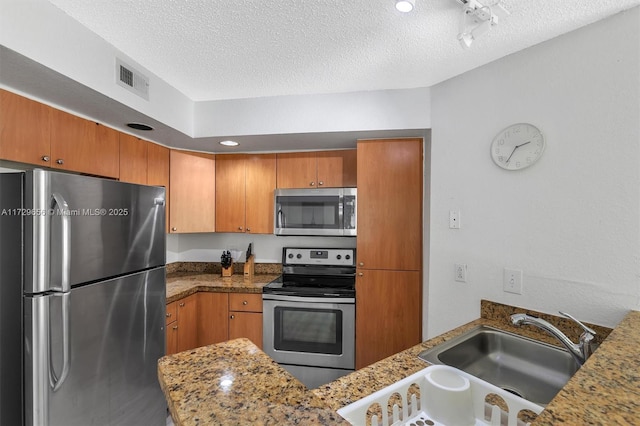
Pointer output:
x,y
64,213
57,381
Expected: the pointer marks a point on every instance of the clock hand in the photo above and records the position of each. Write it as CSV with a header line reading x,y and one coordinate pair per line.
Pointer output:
x,y
514,150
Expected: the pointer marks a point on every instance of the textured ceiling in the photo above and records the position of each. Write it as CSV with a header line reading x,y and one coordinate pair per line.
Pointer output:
x,y
213,49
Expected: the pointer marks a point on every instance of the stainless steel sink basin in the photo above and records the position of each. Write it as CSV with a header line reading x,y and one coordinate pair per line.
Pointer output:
x,y
531,369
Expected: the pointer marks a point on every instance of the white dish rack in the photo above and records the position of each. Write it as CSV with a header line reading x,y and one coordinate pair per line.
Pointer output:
x,y
448,397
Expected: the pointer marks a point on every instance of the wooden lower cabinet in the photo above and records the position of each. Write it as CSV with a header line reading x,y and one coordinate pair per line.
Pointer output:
x,y
245,317
181,331
206,318
388,316
213,318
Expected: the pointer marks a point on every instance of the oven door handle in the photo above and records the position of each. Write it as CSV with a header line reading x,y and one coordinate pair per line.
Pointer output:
x,y
283,298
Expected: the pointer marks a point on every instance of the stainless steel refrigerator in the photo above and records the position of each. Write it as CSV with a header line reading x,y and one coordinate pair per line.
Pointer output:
x,y
82,300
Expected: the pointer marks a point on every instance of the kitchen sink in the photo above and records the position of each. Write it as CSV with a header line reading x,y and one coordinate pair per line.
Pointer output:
x,y
534,370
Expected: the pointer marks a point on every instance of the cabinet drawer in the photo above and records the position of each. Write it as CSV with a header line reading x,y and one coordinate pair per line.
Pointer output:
x,y
172,312
250,302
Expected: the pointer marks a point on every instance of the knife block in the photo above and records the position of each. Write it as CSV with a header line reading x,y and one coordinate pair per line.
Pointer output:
x,y
249,267
227,272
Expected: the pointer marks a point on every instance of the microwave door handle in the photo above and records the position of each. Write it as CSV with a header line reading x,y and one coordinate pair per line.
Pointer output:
x,y
282,223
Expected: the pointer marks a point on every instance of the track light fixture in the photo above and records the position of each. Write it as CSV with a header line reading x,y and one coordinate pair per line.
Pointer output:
x,y
477,19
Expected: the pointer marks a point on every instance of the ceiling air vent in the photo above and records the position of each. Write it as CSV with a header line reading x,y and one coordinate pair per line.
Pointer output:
x,y
131,79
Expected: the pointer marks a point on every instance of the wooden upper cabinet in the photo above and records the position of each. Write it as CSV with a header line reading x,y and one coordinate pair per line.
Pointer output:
x,y
230,193
337,169
260,185
322,169
193,192
244,193
133,159
158,172
390,204
84,146
25,128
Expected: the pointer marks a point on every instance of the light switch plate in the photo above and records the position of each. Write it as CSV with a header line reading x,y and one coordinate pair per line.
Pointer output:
x,y
513,281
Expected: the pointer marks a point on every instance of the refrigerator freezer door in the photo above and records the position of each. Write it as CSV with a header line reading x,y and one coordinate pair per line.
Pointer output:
x,y
82,229
116,331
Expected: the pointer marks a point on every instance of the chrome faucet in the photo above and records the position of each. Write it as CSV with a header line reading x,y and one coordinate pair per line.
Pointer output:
x,y
580,351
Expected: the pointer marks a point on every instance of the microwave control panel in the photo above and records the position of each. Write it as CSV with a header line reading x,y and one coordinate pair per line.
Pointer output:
x,y
309,256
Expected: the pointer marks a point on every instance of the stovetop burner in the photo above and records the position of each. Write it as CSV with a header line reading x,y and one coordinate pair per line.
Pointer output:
x,y
315,273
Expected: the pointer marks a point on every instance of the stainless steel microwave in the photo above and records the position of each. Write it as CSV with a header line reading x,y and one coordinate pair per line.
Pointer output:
x,y
321,212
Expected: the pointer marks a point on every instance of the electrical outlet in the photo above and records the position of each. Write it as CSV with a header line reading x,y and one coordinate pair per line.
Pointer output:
x,y
454,219
461,272
513,281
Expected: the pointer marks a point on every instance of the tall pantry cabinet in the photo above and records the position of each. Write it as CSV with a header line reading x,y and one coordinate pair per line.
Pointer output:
x,y
389,247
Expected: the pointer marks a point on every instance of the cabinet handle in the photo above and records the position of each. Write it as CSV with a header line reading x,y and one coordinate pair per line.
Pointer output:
x,y
361,263
360,274
244,302
321,183
60,161
312,183
175,327
168,314
45,158
232,316
174,229
248,229
239,228
181,305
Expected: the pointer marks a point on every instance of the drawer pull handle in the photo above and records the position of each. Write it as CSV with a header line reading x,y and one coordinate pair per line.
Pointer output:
x,y
232,316
175,327
168,314
244,302
181,305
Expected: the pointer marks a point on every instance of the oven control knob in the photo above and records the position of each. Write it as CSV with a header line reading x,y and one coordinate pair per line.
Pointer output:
x,y
339,257
299,256
347,257
290,256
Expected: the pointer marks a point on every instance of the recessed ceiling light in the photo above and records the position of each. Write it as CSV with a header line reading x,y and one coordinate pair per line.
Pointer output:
x,y
405,6
139,126
229,143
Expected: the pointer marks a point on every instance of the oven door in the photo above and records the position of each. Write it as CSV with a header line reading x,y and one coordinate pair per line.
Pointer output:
x,y
310,331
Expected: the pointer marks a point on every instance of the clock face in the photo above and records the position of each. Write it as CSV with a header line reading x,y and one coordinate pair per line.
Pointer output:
x,y
518,146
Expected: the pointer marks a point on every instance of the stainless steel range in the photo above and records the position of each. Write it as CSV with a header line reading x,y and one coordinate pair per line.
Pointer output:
x,y
309,314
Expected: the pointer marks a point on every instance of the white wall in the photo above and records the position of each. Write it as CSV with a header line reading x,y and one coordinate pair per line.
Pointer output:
x,y
267,248
572,221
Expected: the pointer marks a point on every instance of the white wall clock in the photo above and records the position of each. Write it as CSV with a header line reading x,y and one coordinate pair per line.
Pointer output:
x,y
517,146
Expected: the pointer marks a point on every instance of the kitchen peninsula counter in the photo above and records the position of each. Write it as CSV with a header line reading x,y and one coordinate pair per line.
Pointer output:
x,y
606,390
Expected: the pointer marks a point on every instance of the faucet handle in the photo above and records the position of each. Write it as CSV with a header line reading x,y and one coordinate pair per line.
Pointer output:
x,y
584,327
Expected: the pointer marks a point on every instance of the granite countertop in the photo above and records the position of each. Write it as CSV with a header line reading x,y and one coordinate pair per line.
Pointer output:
x,y
183,284
606,390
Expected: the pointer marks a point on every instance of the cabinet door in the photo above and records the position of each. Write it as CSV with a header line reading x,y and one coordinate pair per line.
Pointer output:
x,y
213,318
158,171
187,323
337,169
388,317
133,159
296,170
171,312
172,338
193,192
260,185
246,324
390,204
84,146
25,127
230,193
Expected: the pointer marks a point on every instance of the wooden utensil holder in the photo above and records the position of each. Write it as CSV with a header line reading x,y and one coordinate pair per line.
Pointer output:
x,y
249,267
227,272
